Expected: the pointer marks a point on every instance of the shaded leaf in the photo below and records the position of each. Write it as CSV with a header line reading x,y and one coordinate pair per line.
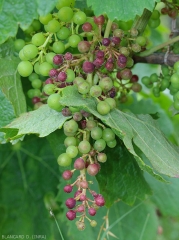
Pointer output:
x,y
42,121
139,129
10,84
121,178
165,196
121,9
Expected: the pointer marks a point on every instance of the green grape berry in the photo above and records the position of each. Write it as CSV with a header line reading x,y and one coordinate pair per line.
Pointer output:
x,y
84,147
141,41
19,44
65,3
49,57
84,87
65,14
70,75
99,145
25,68
74,40
79,18
63,33
70,141
53,102
103,108
106,84
53,26
38,39
72,151
70,126
64,160
30,51
111,102
58,47
44,68
111,144
36,83
96,133
108,134
33,76
95,91
45,19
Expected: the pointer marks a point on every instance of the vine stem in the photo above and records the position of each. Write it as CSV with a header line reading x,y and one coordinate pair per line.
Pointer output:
x,y
108,29
158,47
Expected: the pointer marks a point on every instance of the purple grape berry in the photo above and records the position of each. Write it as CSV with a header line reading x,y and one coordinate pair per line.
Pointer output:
x,y
58,59
91,211
70,203
68,189
71,215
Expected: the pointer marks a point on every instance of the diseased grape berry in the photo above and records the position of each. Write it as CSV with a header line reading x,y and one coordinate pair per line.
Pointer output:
x,y
68,188
99,201
79,164
70,203
93,169
88,67
71,215
67,175
87,27
92,211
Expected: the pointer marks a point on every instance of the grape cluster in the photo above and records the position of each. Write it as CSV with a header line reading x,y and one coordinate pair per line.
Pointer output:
x,y
167,79
87,137
74,49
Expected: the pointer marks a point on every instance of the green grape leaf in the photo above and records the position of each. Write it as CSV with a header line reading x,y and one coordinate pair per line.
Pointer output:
x,y
10,84
121,9
21,13
44,7
133,223
121,178
165,196
6,113
139,129
7,48
42,121
28,176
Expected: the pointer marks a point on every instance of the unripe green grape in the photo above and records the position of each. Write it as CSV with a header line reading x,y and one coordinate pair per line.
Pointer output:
x,y
36,83
29,30
64,160
65,14
108,134
74,109
63,33
165,70
141,41
84,87
74,40
154,23
49,89
38,39
90,124
102,157
176,104
176,66
72,151
37,93
45,19
22,56
99,145
70,141
164,84
173,90
36,25
155,15
30,93
70,126
95,91
96,133
130,62
53,26
33,76
84,147
118,33
78,80
53,102
65,3
125,51
30,51
69,134
106,84
103,108
145,80
49,57
19,44
58,47
44,68
174,78
93,223
111,102
25,68
175,85
153,77
70,75
136,47
111,144
36,67
79,18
